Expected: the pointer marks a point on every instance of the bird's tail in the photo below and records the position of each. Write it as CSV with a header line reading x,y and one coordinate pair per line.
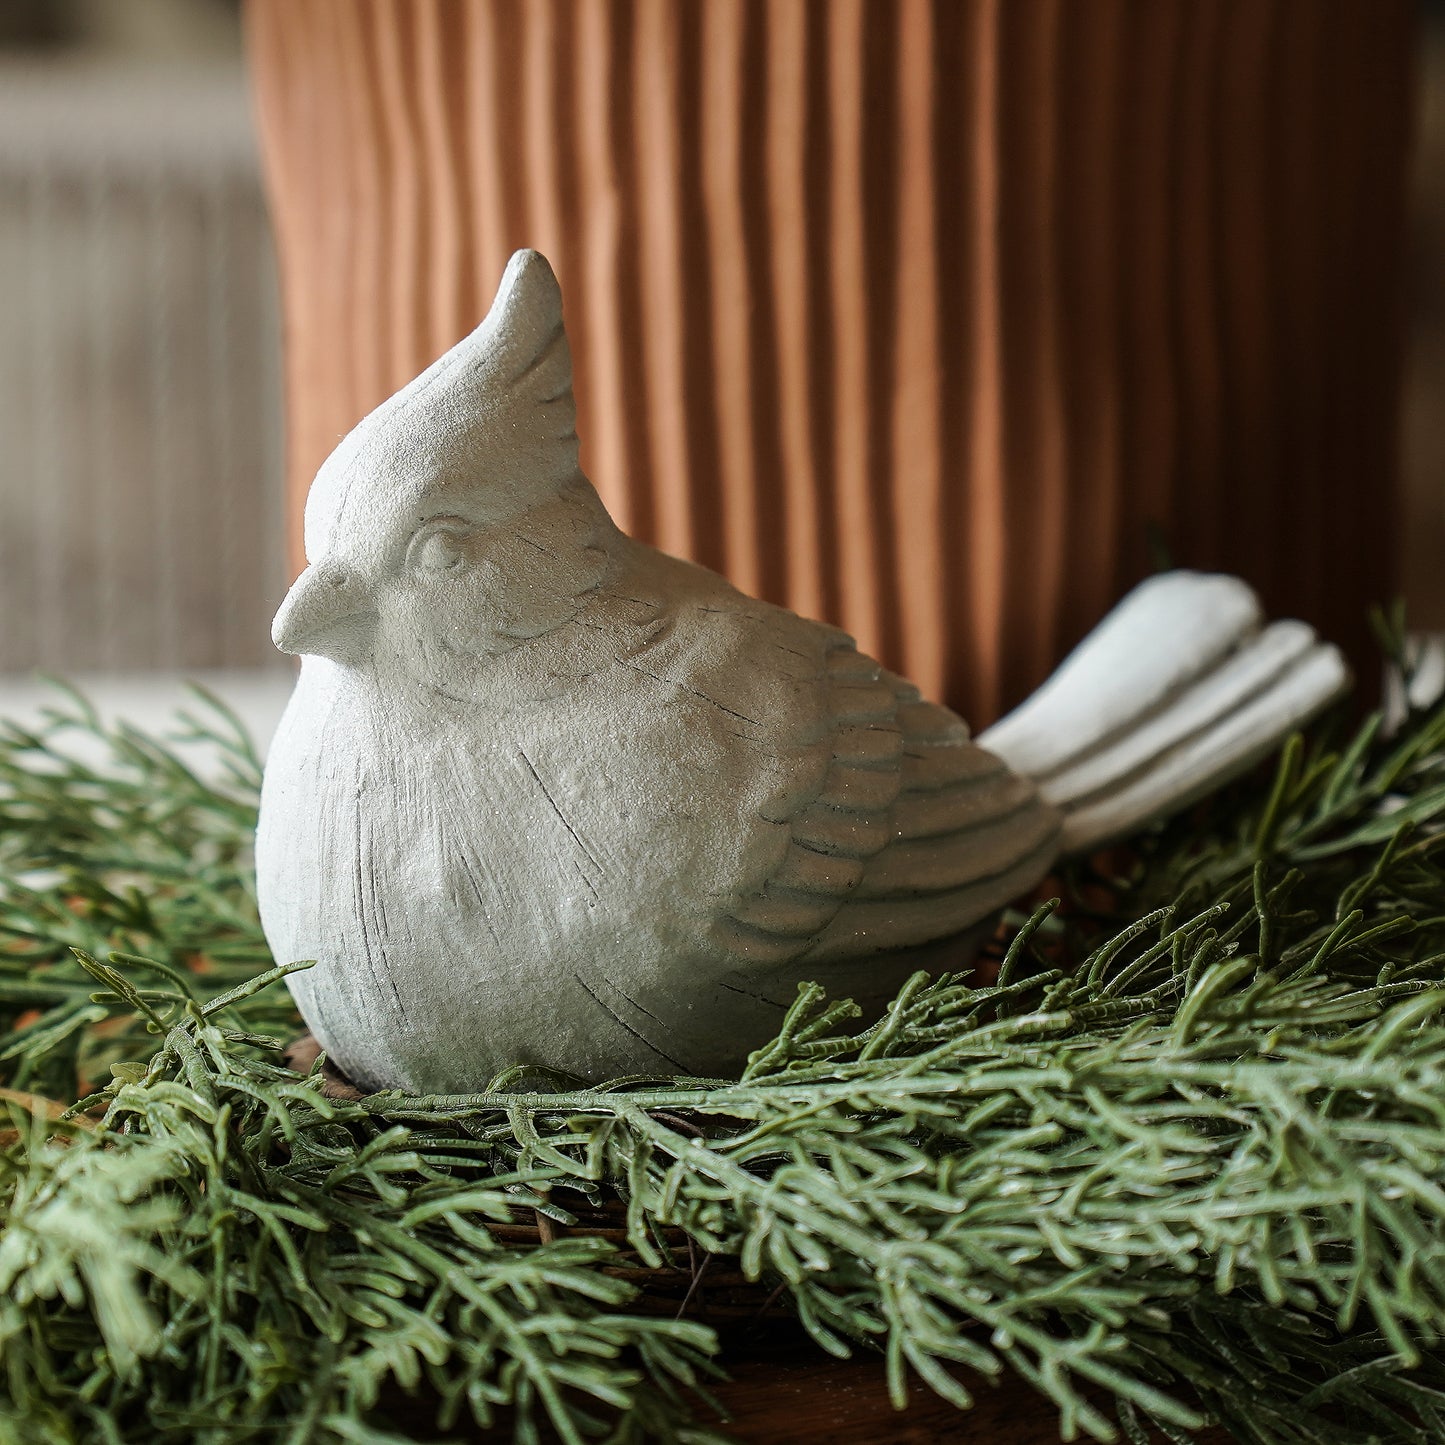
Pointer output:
x,y
1180,688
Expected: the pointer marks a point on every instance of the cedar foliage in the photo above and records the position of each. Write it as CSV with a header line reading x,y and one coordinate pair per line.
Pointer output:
x,y
1181,1152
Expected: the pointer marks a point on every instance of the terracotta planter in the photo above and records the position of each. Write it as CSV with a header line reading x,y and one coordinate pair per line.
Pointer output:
x,y
919,316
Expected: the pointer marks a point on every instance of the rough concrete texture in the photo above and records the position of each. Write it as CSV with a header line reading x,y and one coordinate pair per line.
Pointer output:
x,y
545,795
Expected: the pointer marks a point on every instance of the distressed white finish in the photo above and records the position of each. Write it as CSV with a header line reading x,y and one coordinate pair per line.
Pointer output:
x,y
544,795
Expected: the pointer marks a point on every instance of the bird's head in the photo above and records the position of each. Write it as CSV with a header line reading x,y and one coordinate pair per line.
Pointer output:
x,y
454,521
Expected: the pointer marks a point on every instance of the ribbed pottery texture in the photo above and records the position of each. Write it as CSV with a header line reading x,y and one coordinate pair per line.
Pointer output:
x,y
918,316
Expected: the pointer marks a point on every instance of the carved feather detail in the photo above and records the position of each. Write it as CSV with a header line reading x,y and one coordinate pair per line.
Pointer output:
x,y
545,795
909,810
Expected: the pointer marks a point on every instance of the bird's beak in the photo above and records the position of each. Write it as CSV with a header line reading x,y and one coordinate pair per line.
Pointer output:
x,y
326,614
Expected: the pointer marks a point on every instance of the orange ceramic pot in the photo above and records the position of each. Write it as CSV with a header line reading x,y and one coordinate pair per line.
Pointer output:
x,y
923,316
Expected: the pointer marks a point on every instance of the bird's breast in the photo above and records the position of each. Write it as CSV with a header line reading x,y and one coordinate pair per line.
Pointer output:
x,y
487,893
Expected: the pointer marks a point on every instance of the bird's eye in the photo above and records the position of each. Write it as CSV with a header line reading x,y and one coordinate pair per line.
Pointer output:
x,y
437,549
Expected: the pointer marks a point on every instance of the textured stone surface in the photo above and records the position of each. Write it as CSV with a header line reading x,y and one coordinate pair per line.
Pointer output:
x,y
544,794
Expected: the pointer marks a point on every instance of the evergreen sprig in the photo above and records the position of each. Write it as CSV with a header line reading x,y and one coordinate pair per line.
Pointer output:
x,y
1180,1146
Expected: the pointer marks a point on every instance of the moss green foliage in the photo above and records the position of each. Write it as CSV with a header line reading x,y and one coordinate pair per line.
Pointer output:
x,y
1181,1160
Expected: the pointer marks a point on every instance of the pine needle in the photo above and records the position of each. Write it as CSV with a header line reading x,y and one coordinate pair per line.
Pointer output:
x,y
1181,1150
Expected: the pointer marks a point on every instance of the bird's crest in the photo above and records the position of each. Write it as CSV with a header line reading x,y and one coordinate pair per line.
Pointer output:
x,y
491,423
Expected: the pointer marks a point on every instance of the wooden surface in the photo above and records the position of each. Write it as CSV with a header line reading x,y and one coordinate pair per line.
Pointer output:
x,y
792,1395
915,316
784,1392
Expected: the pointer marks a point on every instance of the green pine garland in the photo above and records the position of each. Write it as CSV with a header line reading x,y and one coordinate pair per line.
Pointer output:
x,y
1186,1152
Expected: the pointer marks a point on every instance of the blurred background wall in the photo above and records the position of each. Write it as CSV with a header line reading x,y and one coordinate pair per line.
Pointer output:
x,y
141,513
142,520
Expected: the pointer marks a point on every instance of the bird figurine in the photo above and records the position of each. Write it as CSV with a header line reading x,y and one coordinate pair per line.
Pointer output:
x,y
544,795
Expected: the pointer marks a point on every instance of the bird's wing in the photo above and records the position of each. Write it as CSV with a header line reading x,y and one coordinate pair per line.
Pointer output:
x,y
914,835
887,828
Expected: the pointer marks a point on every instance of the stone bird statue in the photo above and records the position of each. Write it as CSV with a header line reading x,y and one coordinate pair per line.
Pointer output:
x,y
546,795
